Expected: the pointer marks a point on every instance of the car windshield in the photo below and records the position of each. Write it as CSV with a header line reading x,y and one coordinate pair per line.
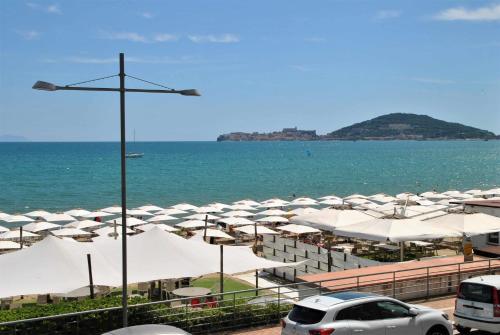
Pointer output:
x,y
476,292
304,315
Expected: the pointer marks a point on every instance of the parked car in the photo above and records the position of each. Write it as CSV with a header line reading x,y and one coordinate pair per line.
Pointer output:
x,y
362,313
148,330
478,305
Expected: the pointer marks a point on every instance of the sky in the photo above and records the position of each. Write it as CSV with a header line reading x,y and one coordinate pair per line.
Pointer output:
x,y
260,65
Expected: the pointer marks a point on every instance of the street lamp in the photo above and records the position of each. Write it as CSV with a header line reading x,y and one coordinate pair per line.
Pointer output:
x,y
46,86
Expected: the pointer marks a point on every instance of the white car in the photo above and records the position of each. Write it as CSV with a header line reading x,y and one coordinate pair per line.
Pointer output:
x,y
351,313
478,305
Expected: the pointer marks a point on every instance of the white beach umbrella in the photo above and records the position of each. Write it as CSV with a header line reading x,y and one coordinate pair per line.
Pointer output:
x,y
84,224
130,221
59,217
78,212
171,211
303,202
99,214
219,205
38,226
330,197
138,212
303,210
473,191
241,214
434,196
162,226
17,219
106,231
425,202
328,219
214,233
382,198
394,230
150,208
355,196
332,202
15,235
115,209
241,207
468,224
207,209
247,202
161,218
70,232
236,221
192,224
4,215
261,230
37,214
9,245
358,201
184,207
3,229
202,217
273,219
298,229
272,212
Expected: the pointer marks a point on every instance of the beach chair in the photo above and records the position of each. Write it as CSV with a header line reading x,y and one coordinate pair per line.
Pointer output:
x,y
195,302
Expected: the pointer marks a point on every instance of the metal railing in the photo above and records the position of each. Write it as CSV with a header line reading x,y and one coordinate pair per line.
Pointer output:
x,y
246,308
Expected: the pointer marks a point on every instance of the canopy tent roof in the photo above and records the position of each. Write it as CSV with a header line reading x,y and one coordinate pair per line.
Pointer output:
x,y
242,207
150,208
236,221
219,205
3,216
468,224
332,202
328,219
162,217
394,230
130,221
278,219
84,224
200,216
298,229
78,212
37,226
9,245
59,217
303,202
3,229
247,202
162,226
273,212
99,214
138,212
15,235
303,210
261,230
106,231
70,232
191,224
170,211
37,213
330,197
17,219
184,207
207,209
115,209
241,214
214,233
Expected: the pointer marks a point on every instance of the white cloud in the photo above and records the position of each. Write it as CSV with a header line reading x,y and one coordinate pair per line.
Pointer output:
x,y
51,9
147,15
489,13
223,38
165,38
438,81
28,34
136,37
387,14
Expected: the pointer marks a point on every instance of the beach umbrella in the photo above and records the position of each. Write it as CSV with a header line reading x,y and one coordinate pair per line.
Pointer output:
x,y
247,202
15,235
330,197
355,196
332,202
261,230
382,198
303,202
150,208
425,202
241,214
35,227
70,232
115,209
184,207
358,201
191,224
84,224
37,214
219,205
213,233
9,245
236,221
162,217
17,219
273,212
98,214
468,224
130,221
59,217
302,211
473,191
207,209
106,231
273,219
242,207
298,229
78,212
138,212
162,226
394,230
3,215
202,217
328,219
3,229
171,211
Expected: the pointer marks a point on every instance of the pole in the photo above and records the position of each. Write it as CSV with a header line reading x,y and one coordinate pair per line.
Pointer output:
x,y
124,189
402,251
206,224
91,281
21,237
221,279
257,282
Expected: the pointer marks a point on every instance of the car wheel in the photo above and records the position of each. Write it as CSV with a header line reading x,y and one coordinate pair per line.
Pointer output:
x,y
438,330
463,330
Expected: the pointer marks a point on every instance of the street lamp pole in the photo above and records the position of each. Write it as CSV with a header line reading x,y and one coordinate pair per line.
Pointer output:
x,y
45,86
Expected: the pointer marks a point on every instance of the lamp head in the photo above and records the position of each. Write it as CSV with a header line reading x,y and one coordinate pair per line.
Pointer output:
x,y
192,93
44,86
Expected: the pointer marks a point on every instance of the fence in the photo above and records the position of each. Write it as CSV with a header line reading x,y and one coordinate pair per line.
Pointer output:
x,y
240,309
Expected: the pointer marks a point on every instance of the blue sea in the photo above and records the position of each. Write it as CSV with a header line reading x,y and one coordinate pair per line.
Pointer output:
x,y
60,176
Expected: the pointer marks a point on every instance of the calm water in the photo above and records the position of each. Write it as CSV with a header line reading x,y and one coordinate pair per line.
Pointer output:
x,y
57,176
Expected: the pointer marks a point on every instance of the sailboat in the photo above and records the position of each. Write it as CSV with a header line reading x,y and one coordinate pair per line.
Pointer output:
x,y
134,154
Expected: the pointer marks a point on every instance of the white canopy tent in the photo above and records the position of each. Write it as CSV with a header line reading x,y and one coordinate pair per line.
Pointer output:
x,y
3,229
78,212
9,245
272,212
242,207
17,219
213,233
329,219
16,235
468,224
184,207
193,224
241,214
236,221
273,219
162,218
170,211
162,226
37,213
84,224
130,221
200,216
150,208
248,202
106,231
303,202
261,230
115,209
298,229
70,232
38,226
99,214
59,217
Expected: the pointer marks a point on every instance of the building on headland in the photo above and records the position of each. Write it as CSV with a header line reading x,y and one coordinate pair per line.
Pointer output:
x,y
287,134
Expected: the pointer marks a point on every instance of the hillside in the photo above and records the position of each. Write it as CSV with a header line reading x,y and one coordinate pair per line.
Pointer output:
x,y
399,126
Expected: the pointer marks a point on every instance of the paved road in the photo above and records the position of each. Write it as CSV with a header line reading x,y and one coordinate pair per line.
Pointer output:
x,y
446,304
